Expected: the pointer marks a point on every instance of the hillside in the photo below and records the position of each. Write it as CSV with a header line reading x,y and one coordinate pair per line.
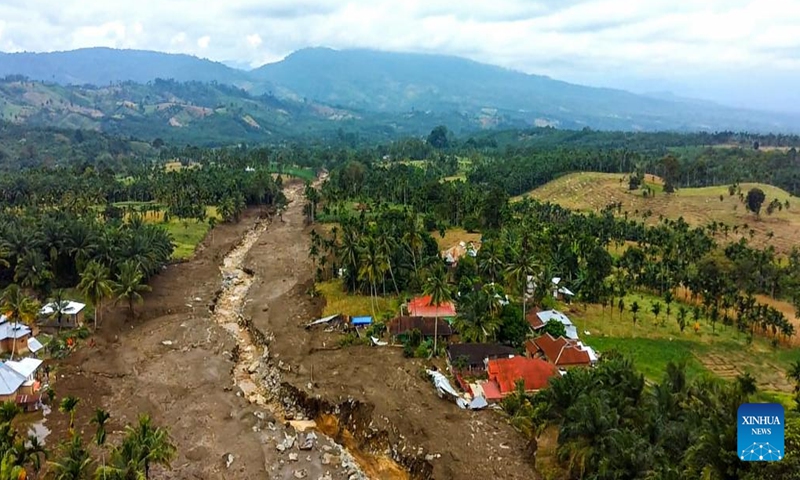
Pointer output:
x,y
397,82
590,191
181,112
463,94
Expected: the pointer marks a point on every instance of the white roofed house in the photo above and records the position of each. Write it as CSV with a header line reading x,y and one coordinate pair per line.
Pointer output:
x,y
561,292
71,315
19,383
16,337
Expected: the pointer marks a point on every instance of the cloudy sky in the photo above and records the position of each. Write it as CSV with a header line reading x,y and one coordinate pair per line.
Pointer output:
x,y
739,52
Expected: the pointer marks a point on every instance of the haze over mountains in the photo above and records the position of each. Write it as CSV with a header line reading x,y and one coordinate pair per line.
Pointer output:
x,y
359,90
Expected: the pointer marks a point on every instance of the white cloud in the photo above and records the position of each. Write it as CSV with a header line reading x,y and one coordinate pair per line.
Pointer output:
x,y
254,40
610,42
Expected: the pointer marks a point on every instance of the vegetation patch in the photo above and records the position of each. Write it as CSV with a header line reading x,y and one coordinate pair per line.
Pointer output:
x,y
337,300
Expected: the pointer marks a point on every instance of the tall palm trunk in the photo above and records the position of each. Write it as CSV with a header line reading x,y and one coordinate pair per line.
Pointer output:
x,y
391,274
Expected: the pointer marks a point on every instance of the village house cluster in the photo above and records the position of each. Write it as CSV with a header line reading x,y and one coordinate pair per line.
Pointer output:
x,y
22,379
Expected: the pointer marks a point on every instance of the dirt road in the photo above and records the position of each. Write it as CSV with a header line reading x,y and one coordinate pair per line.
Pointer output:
x,y
396,407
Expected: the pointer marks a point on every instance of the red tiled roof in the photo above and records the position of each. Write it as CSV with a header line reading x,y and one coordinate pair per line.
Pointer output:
x,y
559,351
421,307
535,372
491,391
535,322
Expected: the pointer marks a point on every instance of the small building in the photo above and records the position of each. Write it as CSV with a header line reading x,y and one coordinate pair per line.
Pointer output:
x,y
561,292
474,356
362,321
504,373
72,315
15,337
456,252
401,327
19,382
421,307
562,352
538,319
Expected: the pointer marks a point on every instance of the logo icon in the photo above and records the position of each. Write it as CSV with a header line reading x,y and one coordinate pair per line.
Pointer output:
x,y
760,432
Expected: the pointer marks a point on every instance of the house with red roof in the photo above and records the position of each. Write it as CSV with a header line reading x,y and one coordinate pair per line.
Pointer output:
x,y
504,373
561,352
421,307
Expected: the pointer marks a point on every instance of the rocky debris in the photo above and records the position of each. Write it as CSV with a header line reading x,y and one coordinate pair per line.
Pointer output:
x,y
167,343
308,443
328,459
302,473
293,457
228,460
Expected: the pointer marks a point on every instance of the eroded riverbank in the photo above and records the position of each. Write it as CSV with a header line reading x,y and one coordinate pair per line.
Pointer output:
x,y
290,422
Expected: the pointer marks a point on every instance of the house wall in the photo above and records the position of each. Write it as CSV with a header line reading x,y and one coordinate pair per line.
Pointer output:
x,y
27,390
7,345
8,398
78,319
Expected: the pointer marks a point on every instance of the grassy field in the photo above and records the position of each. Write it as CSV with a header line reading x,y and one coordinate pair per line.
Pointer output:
x,y
589,191
185,234
338,301
721,351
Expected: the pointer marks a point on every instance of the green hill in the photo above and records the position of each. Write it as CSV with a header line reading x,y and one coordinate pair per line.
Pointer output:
x,y
591,191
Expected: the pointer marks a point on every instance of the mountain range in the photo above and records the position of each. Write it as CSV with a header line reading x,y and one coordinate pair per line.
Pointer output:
x,y
323,90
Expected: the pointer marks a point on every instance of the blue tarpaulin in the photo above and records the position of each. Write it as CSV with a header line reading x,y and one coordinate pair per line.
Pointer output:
x,y
356,321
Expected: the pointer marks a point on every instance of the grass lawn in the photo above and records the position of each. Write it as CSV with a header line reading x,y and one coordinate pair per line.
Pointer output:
x,y
339,301
720,351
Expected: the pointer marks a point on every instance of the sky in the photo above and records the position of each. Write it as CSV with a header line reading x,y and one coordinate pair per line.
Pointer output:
x,y
736,52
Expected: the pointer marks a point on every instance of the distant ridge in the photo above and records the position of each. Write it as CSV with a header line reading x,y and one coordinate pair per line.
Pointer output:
x,y
390,84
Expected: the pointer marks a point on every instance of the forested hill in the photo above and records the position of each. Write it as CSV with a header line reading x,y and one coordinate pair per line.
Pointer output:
x,y
103,66
205,114
399,86
397,82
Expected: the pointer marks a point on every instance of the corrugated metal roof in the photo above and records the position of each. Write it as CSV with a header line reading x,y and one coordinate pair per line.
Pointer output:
x,y
71,309
34,345
25,367
13,330
10,380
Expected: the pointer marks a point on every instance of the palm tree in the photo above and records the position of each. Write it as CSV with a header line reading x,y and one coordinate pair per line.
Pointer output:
x,y
32,270
95,286
656,309
518,272
74,462
100,418
68,405
129,284
34,451
19,307
145,444
9,411
59,304
373,266
682,313
635,311
436,286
